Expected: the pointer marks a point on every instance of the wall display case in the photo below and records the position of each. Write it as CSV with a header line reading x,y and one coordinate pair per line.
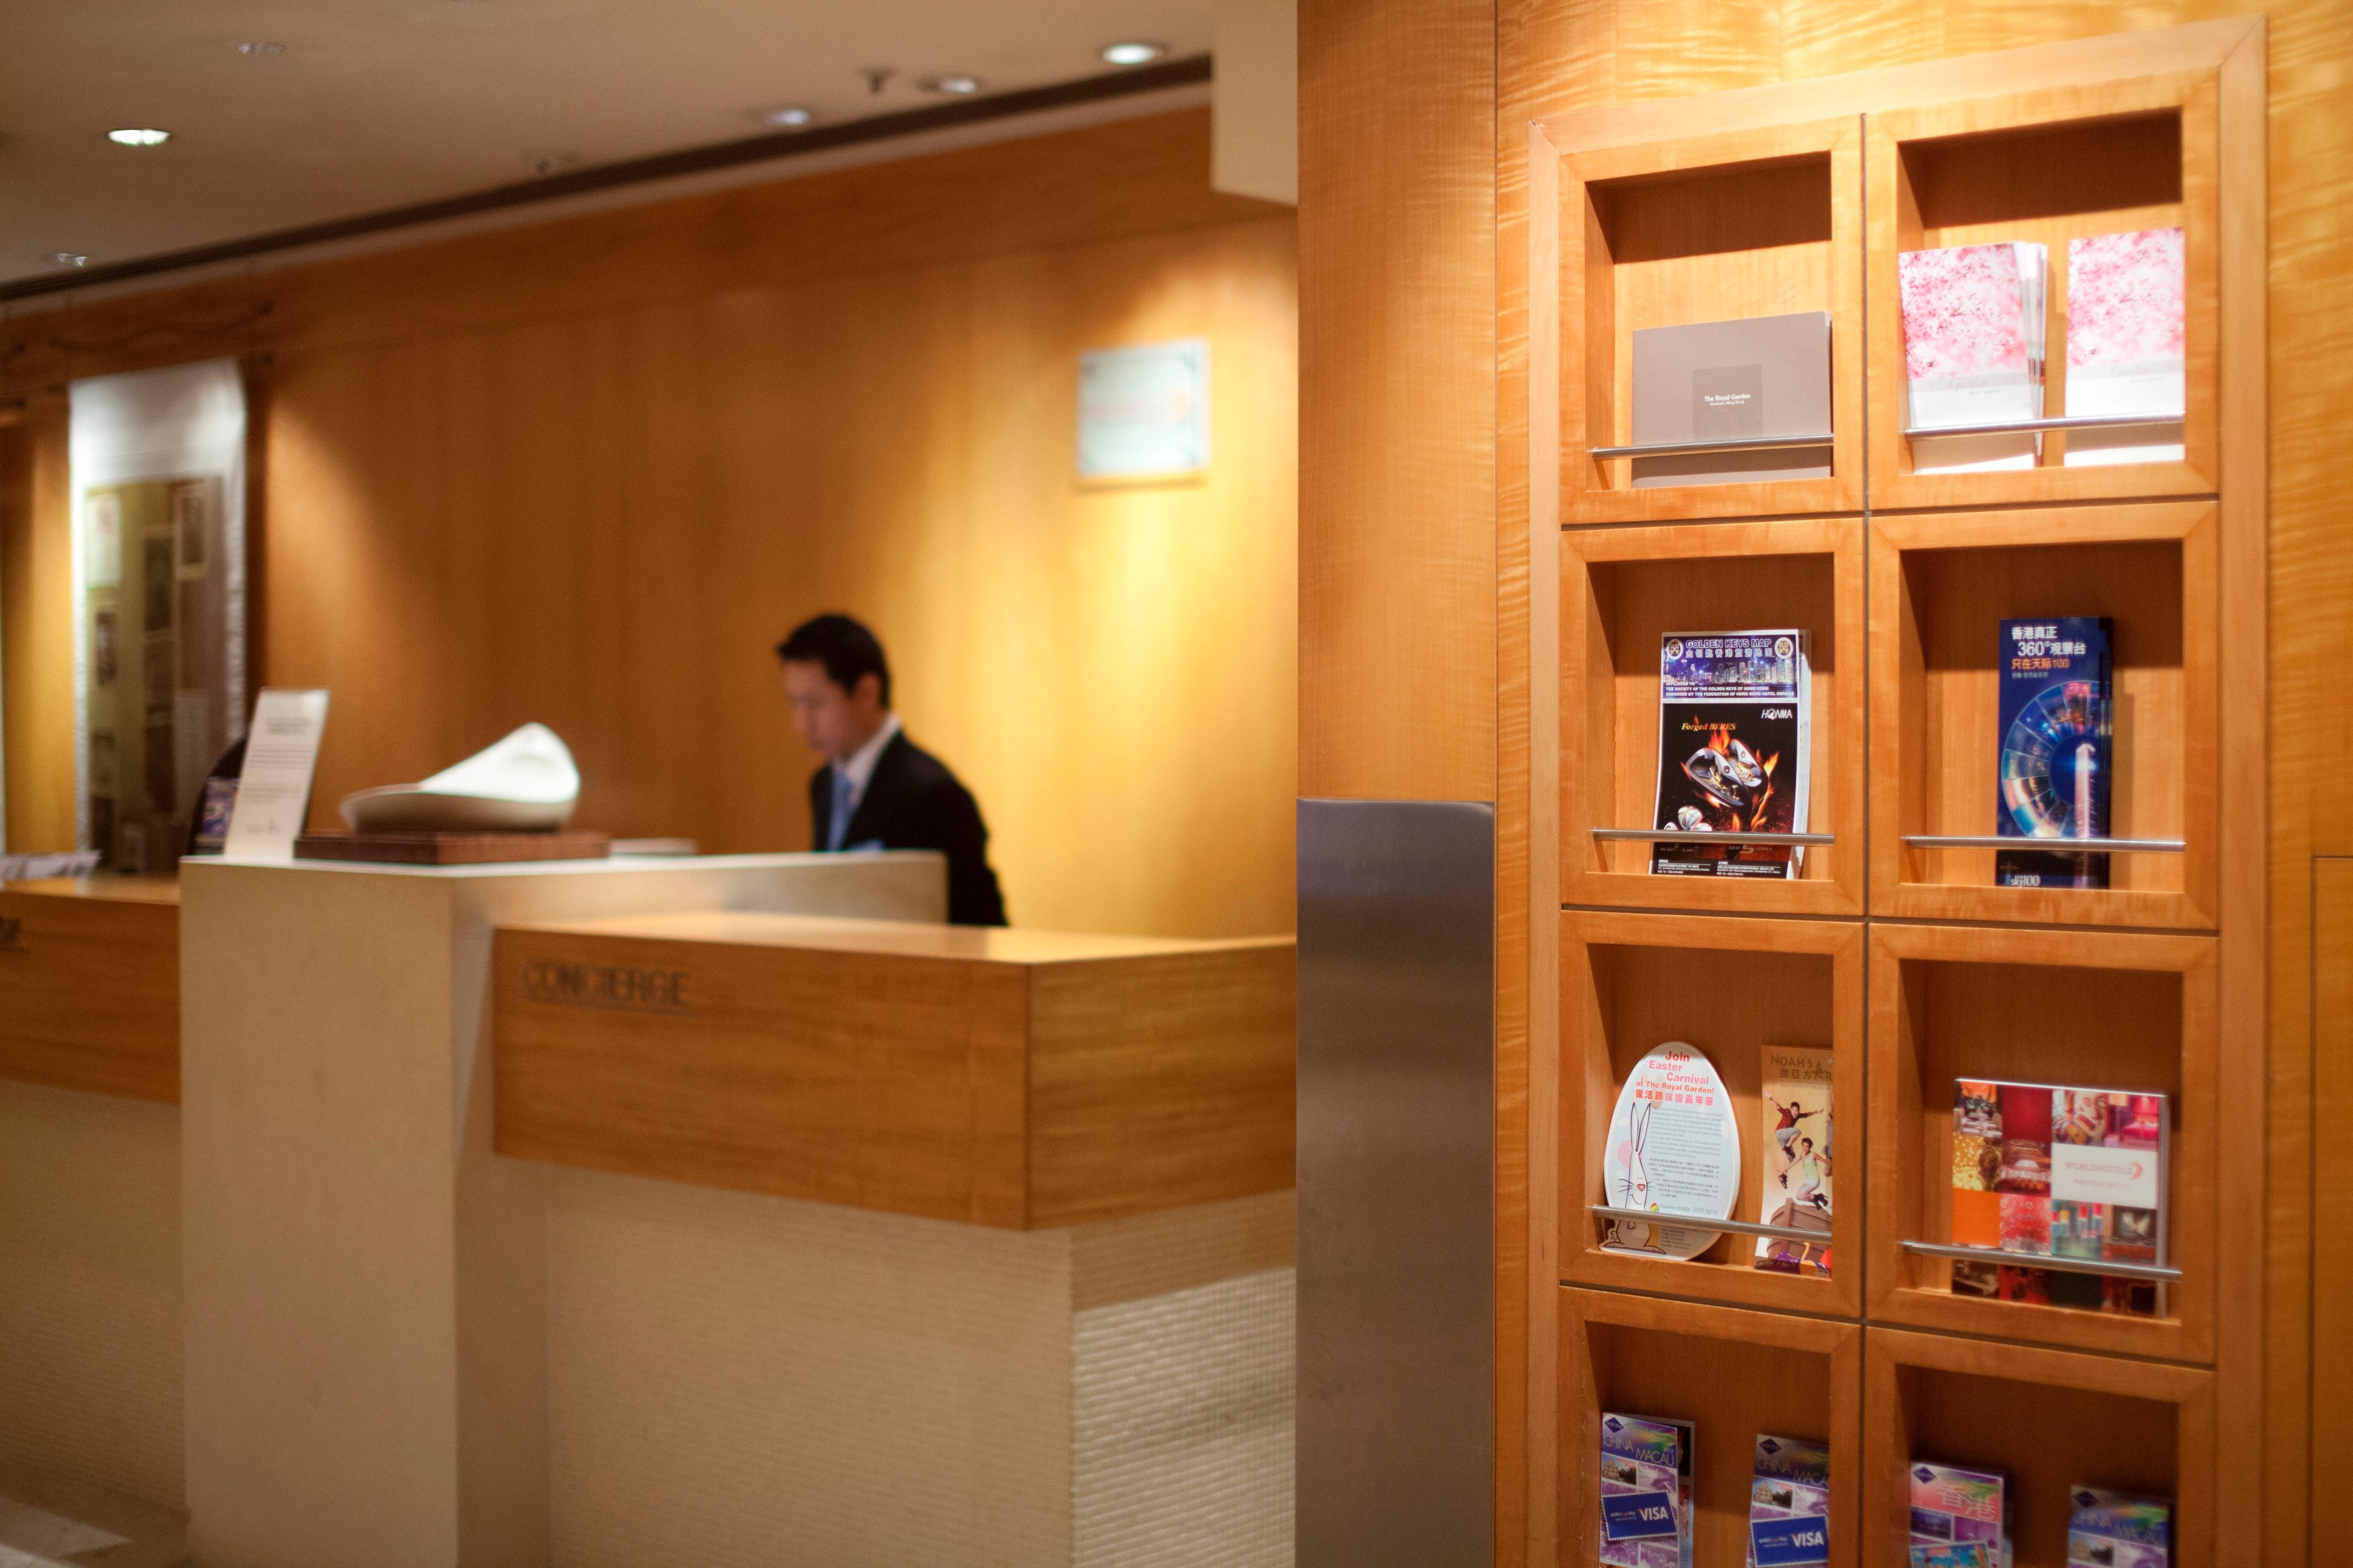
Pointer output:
x,y
2150,985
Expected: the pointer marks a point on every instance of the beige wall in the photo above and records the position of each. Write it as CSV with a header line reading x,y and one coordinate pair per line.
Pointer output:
x,y
587,472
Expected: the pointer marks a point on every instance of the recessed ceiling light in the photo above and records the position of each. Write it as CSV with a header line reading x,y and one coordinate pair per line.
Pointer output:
x,y
956,86
1135,52
791,117
551,161
260,46
139,136
65,258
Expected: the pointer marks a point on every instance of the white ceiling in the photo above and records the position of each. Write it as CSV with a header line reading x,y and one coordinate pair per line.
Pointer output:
x,y
380,103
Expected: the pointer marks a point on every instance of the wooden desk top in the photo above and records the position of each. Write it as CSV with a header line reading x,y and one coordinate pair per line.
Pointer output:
x,y
902,939
114,889
1016,1078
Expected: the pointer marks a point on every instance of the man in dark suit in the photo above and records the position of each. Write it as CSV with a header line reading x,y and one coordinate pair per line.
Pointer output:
x,y
878,790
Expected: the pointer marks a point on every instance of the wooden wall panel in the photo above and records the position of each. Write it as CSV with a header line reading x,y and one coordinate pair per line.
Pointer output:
x,y
588,472
36,629
1558,56
1397,686
2331,1106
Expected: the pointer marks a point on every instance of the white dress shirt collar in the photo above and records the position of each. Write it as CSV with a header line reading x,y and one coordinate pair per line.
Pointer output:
x,y
859,766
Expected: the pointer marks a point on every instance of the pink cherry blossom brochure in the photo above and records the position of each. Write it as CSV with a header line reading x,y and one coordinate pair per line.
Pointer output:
x,y
2125,343
1973,338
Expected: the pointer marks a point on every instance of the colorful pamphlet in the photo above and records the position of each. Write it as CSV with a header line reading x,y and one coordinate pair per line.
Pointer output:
x,y
2062,1172
1972,1555
2125,344
1789,1504
1735,731
2055,709
1954,1508
1753,379
1973,346
1797,1154
2118,1530
1675,1149
1646,1504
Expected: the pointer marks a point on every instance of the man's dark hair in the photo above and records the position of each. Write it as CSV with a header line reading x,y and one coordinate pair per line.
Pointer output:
x,y
847,649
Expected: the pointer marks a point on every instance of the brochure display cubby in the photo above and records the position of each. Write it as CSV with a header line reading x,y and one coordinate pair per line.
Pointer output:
x,y
1624,591
1713,229
2110,1009
1728,988
1734,1375
2047,168
1912,946
1942,585
2051,1420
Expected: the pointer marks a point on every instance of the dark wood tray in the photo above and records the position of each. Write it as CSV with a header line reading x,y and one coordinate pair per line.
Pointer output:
x,y
452,848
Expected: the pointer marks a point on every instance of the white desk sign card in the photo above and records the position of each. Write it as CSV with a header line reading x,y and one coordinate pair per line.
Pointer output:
x,y
273,792
1674,1146
1144,412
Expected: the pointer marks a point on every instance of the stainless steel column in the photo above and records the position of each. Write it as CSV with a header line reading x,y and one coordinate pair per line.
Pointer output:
x,y
1397,1026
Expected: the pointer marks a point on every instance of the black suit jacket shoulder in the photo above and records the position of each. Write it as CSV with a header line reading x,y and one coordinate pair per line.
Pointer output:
x,y
913,802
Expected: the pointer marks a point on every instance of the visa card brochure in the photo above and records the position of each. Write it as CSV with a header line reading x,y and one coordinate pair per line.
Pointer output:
x,y
1952,1507
2119,1530
1789,1503
1646,1513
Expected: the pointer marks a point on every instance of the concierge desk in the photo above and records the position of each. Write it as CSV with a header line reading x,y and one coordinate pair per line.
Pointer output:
x,y
89,986
1018,1078
724,1210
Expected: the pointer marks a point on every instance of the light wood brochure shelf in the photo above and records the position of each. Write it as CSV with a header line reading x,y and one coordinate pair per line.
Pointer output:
x,y
1895,950
1003,1078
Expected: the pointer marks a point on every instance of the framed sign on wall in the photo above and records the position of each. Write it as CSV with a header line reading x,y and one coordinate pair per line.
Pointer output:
x,y
1143,412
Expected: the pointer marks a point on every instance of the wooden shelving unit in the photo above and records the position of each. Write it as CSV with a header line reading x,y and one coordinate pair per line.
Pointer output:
x,y
1894,948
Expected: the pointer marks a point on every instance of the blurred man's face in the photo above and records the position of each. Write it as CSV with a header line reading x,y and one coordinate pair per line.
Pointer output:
x,y
832,722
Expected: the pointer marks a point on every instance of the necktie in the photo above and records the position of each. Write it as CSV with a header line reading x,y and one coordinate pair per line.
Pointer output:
x,y
845,799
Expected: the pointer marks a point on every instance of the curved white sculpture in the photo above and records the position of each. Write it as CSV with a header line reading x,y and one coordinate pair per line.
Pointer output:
x,y
526,783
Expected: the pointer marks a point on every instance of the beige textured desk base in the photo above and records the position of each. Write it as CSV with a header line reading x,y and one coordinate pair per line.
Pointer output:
x,y
737,1380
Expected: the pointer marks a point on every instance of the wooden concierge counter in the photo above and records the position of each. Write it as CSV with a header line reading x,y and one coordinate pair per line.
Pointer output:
x,y
1015,1078
89,986
609,1194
